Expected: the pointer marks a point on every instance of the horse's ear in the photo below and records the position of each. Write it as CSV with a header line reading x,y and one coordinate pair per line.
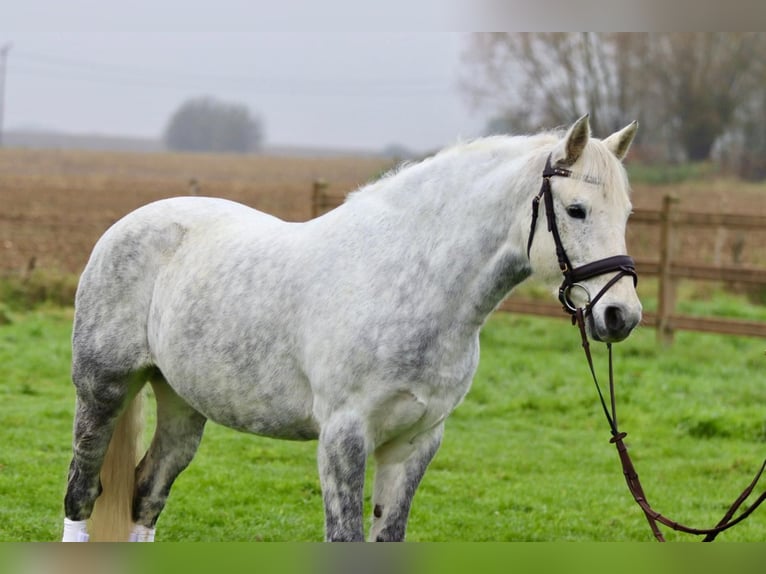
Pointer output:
x,y
619,142
574,143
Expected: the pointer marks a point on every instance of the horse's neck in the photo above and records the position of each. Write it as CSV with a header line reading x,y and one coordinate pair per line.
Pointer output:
x,y
470,216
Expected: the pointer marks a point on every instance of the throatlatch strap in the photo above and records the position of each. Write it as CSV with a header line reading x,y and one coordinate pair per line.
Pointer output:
x,y
535,213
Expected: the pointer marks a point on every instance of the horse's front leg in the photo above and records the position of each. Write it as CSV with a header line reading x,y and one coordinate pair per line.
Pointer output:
x,y
342,458
400,467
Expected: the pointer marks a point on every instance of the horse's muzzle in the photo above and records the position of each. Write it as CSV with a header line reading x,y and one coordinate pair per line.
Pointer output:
x,y
613,323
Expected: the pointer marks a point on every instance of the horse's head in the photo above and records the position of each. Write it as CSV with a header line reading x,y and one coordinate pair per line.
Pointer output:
x,y
585,198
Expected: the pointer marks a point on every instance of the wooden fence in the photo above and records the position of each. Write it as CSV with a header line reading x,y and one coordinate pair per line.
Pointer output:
x,y
670,223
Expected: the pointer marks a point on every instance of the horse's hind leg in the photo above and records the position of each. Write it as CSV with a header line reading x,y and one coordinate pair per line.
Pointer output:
x,y
176,438
400,468
100,400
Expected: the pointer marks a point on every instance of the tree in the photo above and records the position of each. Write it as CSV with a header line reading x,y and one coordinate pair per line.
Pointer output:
x,y
546,79
684,88
206,124
746,151
706,77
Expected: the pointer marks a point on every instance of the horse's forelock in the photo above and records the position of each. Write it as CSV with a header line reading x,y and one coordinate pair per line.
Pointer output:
x,y
599,164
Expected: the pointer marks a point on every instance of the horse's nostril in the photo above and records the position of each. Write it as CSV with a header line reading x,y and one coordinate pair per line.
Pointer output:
x,y
614,319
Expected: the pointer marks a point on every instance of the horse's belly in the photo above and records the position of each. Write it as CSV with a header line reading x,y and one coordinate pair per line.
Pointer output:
x,y
273,408
271,419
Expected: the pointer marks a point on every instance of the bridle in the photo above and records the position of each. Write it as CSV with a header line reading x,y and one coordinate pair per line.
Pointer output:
x,y
574,276
622,265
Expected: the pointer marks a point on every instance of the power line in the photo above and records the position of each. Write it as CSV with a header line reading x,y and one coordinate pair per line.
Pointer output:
x,y
44,65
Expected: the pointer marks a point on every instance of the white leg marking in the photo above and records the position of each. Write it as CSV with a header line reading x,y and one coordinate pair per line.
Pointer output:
x,y
141,534
75,531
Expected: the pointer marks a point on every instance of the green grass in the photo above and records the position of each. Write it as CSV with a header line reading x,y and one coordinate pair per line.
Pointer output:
x,y
525,457
707,299
24,292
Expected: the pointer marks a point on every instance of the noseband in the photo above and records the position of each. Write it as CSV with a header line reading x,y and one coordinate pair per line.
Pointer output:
x,y
622,265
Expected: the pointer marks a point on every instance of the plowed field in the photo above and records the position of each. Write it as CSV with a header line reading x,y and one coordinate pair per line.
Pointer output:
x,y
55,204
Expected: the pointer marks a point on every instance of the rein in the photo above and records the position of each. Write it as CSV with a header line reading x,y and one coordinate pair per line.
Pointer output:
x,y
623,265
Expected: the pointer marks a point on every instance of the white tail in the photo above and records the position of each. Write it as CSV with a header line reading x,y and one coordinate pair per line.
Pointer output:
x,y
111,520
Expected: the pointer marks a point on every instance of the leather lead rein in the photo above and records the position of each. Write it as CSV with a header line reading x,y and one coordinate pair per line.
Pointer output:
x,y
623,265
631,476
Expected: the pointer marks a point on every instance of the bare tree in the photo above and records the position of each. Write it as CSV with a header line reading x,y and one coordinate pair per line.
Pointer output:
x,y
683,87
703,78
545,79
746,151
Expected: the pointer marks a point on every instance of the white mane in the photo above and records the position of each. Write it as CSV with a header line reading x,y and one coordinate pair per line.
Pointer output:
x,y
451,173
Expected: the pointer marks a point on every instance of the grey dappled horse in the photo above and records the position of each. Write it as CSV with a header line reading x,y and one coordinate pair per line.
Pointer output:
x,y
359,328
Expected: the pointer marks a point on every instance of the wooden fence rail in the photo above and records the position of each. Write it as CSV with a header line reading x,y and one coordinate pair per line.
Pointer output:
x,y
668,270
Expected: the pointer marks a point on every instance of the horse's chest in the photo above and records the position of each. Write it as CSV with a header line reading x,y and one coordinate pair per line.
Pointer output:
x,y
422,395
407,410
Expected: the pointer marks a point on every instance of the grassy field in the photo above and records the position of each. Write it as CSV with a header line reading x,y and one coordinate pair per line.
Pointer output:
x,y
525,458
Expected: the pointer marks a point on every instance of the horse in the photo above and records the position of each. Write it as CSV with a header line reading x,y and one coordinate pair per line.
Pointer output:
x,y
359,328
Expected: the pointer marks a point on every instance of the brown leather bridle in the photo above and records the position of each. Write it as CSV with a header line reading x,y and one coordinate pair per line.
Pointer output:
x,y
574,276
623,265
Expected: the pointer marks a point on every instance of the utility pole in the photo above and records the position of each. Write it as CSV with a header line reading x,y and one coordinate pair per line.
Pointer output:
x,y
3,59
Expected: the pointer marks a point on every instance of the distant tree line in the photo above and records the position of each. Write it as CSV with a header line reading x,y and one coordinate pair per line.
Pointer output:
x,y
205,124
689,91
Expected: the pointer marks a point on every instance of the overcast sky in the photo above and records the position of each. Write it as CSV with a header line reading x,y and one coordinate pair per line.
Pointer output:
x,y
318,72
333,88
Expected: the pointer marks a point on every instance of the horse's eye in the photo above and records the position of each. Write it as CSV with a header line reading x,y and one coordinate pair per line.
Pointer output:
x,y
576,211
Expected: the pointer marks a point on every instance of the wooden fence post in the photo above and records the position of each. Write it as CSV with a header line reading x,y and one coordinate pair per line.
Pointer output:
x,y
667,282
318,197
